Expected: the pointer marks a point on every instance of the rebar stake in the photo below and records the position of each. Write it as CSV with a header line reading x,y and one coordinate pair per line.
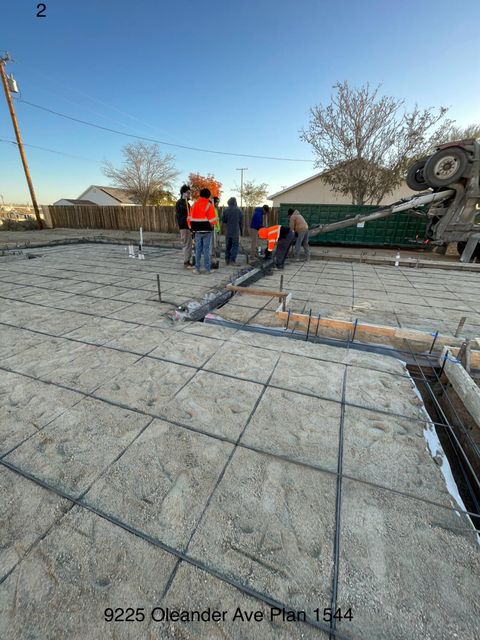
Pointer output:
x,y
158,287
318,324
354,329
445,357
308,327
433,342
282,299
460,326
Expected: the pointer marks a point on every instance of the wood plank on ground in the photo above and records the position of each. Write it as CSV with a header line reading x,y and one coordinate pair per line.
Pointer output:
x,y
256,292
398,333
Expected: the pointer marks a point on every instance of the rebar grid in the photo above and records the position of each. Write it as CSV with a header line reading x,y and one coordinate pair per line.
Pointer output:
x,y
184,556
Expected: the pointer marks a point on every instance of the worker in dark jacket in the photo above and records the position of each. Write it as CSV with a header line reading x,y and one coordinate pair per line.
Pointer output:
x,y
181,209
233,217
256,223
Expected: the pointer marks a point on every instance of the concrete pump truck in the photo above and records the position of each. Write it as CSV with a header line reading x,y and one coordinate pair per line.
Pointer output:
x,y
449,182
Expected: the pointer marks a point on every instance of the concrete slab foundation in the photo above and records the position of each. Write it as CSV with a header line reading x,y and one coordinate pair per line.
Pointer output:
x,y
148,467
425,299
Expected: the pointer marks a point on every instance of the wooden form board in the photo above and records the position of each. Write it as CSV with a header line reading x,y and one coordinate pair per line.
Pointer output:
x,y
371,329
465,386
256,292
453,352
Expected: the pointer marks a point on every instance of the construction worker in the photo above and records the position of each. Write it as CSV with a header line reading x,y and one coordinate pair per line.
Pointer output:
x,y
258,220
280,237
201,218
233,217
299,226
217,227
181,210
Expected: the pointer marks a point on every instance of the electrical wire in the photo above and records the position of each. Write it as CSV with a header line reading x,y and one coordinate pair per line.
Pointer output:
x,y
76,90
60,153
155,140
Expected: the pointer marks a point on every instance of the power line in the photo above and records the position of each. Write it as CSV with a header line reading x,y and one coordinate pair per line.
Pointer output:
x,y
60,153
168,144
97,100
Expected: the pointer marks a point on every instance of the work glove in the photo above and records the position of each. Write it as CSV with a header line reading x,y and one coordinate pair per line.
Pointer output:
x,y
267,254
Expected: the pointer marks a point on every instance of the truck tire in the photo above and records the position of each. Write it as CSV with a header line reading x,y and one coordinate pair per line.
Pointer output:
x,y
415,179
445,167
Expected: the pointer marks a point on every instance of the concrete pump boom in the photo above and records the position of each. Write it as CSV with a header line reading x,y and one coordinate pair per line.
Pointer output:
x,y
396,207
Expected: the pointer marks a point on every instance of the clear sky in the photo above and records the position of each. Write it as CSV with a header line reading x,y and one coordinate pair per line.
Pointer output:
x,y
233,76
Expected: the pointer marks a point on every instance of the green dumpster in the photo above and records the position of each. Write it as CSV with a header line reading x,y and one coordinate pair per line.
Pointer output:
x,y
400,230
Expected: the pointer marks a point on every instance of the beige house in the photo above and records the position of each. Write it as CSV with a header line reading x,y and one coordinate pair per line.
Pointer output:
x,y
315,190
108,196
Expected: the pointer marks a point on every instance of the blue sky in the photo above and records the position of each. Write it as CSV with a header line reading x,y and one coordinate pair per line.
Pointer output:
x,y
233,76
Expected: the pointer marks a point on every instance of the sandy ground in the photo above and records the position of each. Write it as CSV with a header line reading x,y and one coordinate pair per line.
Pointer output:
x,y
148,465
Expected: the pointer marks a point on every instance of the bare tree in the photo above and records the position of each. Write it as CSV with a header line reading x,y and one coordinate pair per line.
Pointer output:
x,y
145,173
252,193
364,141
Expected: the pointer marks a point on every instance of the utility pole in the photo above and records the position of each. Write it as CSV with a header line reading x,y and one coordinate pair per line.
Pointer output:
x,y
241,169
3,60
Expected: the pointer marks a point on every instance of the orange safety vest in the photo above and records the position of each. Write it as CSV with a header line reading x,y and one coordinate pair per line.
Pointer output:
x,y
201,215
271,234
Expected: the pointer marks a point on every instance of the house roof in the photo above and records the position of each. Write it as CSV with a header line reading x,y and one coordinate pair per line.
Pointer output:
x,y
121,195
297,184
73,201
317,175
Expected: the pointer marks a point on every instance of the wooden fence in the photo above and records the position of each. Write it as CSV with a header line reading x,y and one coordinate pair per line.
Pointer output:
x,y
150,218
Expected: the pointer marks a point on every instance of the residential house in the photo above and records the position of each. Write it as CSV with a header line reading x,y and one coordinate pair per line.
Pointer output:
x,y
315,190
108,196
67,202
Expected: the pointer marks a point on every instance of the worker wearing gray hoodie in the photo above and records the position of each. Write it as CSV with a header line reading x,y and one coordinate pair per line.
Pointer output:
x,y
233,217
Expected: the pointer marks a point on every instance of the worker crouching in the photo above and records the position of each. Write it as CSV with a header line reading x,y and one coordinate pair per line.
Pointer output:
x,y
278,237
201,220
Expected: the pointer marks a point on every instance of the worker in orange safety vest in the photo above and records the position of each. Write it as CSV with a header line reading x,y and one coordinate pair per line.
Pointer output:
x,y
201,219
280,237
